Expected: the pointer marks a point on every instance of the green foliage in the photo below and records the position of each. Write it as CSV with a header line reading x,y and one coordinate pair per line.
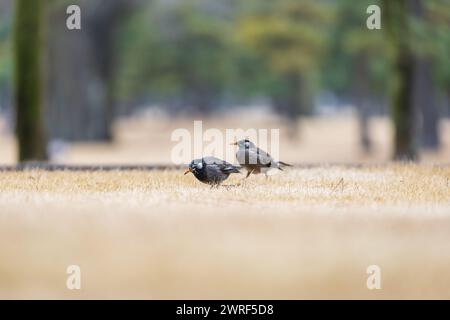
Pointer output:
x,y
174,51
193,48
289,34
350,39
290,39
254,47
205,51
437,39
5,51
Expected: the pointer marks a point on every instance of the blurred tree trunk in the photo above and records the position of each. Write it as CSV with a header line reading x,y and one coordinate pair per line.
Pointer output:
x,y
81,103
448,102
28,38
424,93
425,100
361,94
294,104
199,97
402,106
294,101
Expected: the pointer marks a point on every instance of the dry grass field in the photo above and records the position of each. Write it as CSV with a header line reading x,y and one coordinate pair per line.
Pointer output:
x,y
305,233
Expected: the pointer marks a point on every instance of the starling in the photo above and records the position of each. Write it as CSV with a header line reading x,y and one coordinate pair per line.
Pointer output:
x,y
255,160
211,170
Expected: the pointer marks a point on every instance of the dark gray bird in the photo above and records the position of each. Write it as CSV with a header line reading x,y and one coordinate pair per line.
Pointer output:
x,y
255,160
211,170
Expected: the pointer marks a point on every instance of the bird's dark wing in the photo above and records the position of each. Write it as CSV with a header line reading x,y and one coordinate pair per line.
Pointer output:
x,y
221,165
229,168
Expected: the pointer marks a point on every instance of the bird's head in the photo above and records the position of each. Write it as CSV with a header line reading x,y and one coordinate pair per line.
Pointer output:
x,y
247,144
194,166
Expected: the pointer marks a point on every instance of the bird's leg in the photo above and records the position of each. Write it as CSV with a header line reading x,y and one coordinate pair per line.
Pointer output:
x,y
249,173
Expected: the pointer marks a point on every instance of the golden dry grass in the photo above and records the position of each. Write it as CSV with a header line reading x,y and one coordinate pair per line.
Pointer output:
x,y
305,233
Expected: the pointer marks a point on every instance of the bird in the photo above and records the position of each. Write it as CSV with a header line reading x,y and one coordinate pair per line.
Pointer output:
x,y
211,170
255,160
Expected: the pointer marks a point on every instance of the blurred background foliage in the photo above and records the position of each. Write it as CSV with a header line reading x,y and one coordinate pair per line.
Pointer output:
x,y
198,57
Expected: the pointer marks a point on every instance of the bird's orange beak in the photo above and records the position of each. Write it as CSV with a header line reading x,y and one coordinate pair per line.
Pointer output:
x,y
233,144
187,171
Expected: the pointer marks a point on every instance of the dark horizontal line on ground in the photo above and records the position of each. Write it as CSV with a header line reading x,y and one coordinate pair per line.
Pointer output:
x,y
64,167
129,167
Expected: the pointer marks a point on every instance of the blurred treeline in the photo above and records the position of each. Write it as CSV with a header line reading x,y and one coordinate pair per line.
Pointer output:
x,y
200,56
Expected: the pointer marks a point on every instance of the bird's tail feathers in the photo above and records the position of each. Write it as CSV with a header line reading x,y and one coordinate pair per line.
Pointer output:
x,y
284,164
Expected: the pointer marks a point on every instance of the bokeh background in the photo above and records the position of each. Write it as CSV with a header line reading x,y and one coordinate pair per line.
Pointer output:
x,y
114,91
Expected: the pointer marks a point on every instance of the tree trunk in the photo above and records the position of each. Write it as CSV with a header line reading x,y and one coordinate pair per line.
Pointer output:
x,y
403,115
294,101
448,102
424,93
361,94
28,46
425,101
81,102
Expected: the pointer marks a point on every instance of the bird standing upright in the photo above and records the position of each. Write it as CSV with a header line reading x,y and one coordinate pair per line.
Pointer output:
x,y
255,160
211,170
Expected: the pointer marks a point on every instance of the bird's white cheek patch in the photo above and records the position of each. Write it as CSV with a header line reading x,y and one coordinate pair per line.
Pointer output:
x,y
199,165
